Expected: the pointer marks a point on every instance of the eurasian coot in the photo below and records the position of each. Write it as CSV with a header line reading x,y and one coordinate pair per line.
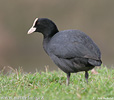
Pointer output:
x,y
71,50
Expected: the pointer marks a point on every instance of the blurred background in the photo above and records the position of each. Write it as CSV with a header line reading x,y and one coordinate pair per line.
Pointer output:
x,y
17,49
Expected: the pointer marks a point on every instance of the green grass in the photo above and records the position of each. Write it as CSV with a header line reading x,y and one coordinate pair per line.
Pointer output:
x,y
52,86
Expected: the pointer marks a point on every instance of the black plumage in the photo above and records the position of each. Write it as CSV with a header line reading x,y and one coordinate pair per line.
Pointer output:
x,y
71,50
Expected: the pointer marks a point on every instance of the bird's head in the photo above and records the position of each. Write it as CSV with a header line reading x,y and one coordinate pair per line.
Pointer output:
x,y
44,26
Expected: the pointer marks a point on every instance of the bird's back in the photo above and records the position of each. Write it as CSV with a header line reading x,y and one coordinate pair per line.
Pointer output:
x,y
74,43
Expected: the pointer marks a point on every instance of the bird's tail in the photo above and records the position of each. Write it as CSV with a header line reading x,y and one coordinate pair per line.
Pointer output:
x,y
95,62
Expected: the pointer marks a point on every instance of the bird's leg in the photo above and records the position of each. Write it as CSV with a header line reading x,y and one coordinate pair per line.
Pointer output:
x,y
86,76
68,79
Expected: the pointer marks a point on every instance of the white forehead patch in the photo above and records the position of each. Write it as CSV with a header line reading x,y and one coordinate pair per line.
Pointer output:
x,y
34,22
32,29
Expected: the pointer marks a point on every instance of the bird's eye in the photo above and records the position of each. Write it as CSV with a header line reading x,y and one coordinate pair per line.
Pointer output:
x,y
38,23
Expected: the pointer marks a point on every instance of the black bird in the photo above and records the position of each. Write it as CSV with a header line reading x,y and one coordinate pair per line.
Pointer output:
x,y
71,50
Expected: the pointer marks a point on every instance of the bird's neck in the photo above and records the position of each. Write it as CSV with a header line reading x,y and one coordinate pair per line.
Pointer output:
x,y
46,40
46,43
49,34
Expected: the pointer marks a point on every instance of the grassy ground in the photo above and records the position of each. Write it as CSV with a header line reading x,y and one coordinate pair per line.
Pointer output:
x,y
52,86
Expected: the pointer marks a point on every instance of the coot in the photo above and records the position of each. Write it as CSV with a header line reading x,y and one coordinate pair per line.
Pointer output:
x,y
71,50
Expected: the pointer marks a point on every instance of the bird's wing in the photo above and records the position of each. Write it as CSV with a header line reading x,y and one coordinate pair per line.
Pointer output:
x,y
74,45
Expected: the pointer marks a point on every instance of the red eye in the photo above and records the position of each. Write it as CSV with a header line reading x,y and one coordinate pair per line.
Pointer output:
x,y
38,22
